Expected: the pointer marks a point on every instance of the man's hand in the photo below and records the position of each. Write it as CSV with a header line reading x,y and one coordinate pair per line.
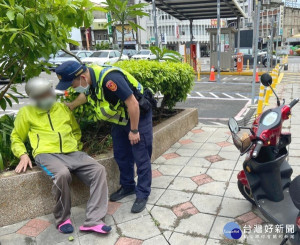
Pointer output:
x,y
134,138
24,161
70,105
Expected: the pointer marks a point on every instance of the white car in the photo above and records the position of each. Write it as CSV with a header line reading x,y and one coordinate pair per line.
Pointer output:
x,y
144,55
102,57
58,60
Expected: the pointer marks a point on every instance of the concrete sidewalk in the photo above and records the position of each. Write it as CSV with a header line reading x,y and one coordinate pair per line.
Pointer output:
x,y
194,195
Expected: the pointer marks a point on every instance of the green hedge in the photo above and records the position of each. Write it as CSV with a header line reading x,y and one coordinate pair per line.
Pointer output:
x,y
174,80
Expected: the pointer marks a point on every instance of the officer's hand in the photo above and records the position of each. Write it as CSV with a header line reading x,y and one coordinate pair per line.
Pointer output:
x,y
70,105
22,166
134,138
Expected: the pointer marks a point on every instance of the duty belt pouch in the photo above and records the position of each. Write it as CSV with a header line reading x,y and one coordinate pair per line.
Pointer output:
x,y
146,100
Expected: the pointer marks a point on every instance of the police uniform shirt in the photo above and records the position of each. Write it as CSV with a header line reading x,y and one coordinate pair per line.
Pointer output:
x,y
115,86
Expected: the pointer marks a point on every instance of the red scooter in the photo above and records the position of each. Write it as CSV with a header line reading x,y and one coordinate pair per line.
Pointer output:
x,y
265,180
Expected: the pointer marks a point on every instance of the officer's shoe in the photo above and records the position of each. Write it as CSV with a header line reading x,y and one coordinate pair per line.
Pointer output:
x,y
121,193
139,205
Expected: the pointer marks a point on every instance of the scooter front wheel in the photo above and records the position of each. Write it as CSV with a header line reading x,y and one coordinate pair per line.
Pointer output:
x,y
246,192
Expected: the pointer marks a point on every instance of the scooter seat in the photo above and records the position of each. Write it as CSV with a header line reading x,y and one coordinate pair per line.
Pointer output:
x,y
295,191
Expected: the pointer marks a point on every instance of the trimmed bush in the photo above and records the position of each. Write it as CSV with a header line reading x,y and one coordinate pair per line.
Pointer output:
x,y
174,80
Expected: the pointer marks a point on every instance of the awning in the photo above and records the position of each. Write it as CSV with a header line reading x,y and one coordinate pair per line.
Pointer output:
x,y
199,9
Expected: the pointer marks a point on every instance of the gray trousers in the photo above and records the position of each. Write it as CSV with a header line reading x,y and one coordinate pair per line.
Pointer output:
x,y
59,167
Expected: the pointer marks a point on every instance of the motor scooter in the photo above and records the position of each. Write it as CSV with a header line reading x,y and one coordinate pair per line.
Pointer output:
x,y
265,180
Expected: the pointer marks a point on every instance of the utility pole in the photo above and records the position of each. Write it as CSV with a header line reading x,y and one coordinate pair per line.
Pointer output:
x,y
270,46
219,38
155,22
255,45
278,34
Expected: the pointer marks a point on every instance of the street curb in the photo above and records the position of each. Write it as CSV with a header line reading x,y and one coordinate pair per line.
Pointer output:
x,y
233,73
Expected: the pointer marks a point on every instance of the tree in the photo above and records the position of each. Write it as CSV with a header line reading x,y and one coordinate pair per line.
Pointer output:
x,y
122,13
35,29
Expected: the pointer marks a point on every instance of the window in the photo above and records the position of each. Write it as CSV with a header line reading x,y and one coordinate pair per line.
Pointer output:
x,y
100,54
81,55
117,53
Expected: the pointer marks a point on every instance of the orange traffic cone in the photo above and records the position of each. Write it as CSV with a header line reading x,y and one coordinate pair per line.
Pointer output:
x,y
212,74
256,76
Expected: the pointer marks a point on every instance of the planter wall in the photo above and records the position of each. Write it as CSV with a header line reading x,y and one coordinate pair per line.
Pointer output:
x,y
29,195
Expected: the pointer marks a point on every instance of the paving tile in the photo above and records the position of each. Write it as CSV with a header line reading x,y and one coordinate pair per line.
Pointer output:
x,y
213,188
155,195
177,161
230,155
210,147
233,191
113,207
205,153
186,152
128,241
200,138
214,158
171,170
234,178
219,174
255,221
78,217
171,198
164,216
109,220
204,223
234,207
167,234
134,229
169,156
199,162
181,239
185,209
183,184
207,203
158,240
213,242
156,173
224,144
67,242
230,148
124,214
246,217
191,171
4,230
217,229
94,238
17,239
202,179
162,181
225,164
52,236
197,131
34,227
194,145
185,142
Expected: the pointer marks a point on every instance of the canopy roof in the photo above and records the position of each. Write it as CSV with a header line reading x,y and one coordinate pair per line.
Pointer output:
x,y
199,9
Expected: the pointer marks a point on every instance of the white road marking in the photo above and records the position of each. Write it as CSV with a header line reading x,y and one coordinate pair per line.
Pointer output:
x,y
235,78
217,123
189,95
199,94
214,95
214,98
228,95
212,118
242,96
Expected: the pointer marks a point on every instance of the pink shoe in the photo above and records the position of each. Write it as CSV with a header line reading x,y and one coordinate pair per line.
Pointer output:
x,y
102,228
66,227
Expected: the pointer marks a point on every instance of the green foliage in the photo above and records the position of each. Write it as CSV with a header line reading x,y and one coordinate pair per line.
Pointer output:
x,y
33,29
7,158
173,80
166,54
102,46
122,13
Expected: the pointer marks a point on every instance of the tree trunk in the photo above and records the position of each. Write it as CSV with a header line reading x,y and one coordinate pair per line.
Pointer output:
x,y
122,42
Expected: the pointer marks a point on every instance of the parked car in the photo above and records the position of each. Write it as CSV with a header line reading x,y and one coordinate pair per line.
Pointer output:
x,y
129,52
102,57
144,55
56,61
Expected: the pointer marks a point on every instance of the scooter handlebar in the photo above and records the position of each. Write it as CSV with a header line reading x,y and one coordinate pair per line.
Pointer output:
x,y
257,148
294,102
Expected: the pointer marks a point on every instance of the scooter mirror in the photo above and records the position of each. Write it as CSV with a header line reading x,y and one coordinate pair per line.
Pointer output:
x,y
233,126
266,79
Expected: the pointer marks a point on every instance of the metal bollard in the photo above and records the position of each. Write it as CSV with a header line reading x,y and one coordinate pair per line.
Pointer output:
x,y
198,69
260,103
248,65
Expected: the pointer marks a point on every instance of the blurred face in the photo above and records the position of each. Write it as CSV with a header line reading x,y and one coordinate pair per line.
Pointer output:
x,y
46,100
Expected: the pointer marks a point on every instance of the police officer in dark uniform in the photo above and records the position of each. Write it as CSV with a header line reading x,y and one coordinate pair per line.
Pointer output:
x,y
118,98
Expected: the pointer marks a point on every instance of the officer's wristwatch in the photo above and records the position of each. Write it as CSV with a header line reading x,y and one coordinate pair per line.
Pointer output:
x,y
134,131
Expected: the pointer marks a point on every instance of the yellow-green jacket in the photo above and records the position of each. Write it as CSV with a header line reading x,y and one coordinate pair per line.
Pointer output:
x,y
56,131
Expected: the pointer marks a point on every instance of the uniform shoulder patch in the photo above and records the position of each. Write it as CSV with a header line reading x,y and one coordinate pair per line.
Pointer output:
x,y
111,86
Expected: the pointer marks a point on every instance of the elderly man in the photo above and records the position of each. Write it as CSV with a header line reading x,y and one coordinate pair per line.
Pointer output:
x,y
55,139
